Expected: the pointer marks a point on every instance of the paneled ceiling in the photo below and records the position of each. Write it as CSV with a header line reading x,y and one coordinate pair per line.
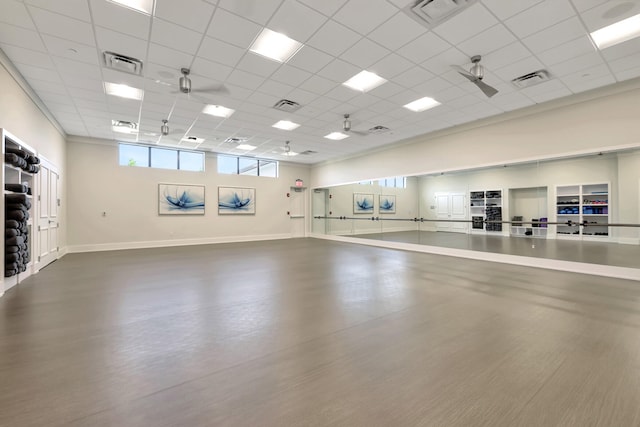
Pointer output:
x,y
58,45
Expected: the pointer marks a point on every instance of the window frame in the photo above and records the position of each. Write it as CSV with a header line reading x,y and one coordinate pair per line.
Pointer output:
x,y
176,150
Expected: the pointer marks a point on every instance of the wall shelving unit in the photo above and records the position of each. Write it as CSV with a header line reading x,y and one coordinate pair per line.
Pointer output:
x,y
485,205
583,204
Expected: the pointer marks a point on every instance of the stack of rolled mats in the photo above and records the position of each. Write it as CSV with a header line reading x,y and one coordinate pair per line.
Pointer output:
x,y
21,159
16,245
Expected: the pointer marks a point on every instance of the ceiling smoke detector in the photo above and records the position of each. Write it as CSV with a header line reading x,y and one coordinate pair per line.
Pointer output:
x,y
431,13
126,64
531,79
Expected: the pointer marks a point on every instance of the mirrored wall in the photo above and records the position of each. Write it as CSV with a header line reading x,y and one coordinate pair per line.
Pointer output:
x,y
584,209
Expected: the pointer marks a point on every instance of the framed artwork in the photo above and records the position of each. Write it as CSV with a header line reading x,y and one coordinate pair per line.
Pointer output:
x,y
362,203
387,204
236,201
180,199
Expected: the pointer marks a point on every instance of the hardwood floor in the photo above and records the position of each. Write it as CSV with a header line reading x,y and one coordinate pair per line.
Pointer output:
x,y
308,332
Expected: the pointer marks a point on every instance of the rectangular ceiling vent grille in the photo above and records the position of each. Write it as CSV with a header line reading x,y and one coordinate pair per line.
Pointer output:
x,y
235,140
308,152
432,13
379,129
123,63
286,105
531,79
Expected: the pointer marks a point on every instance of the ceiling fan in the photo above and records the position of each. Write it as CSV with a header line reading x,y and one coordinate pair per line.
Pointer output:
x,y
166,131
346,126
475,76
185,85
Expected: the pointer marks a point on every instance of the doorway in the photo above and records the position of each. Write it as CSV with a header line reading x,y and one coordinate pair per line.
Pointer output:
x,y
451,206
47,214
297,211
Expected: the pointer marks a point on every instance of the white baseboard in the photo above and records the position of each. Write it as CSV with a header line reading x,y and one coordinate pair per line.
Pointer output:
x,y
629,240
551,264
168,243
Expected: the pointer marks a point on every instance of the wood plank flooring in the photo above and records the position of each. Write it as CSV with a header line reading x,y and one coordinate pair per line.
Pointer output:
x,y
310,332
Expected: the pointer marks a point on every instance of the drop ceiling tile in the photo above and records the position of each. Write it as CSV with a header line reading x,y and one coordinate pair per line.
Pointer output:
x,y
387,90
290,75
464,101
471,21
413,77
487,41
271,87
382,106
509,54
310,59
391,66
626,49
627,74
593,78
341,93
364,16
296,20
82,83
221,52
609,13
31,72
62,26
21,37
45,86
520,68
510,101
576,64
191,14
89,95
364,53
168,57
505,9
424,47
442,62
582,5
333,38
542,15
88,104
96,114
625,64
326,7
213,70
257,11
565,51
429,87
449,94
114,41
238,93
175,37
19,55
397,31
123,78
71,69
117,18
55,97
339,71
245,79
550,95
258,64
77,9
15,13
555,35
233,29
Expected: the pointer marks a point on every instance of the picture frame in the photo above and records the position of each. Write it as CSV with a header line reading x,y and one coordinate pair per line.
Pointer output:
x,y
181,199
386,203
236,200
362,203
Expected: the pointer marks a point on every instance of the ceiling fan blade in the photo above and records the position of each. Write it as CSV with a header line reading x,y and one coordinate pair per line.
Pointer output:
x,y
219,88
488,90
464,73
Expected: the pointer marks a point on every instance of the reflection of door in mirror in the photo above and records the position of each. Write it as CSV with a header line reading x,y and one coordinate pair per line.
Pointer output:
x,y
319,206
451,206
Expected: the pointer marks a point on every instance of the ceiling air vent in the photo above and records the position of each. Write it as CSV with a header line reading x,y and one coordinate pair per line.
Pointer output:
x,y
286,105
379,129
123,63
308,152
235,140
434,12
531,79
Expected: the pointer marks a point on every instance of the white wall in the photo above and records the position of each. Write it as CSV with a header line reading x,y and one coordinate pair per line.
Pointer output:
x,y
129,197
586,123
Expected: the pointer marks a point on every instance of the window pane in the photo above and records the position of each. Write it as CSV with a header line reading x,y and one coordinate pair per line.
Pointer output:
x,y
163,158
248,166
190,161
134,155
227,164
268,169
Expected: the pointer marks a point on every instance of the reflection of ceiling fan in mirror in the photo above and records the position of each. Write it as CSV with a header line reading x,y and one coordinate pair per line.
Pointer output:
x,y
346,126
475,76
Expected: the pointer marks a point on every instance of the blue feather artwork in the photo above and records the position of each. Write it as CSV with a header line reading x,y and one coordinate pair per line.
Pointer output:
x,y
387,204
362,203
235,200
176,199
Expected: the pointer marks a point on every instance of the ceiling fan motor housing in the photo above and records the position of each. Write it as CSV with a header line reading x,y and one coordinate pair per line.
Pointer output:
x,y
185,81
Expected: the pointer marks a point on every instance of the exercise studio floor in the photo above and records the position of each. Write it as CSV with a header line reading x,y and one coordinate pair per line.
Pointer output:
x,y
310,332
593,252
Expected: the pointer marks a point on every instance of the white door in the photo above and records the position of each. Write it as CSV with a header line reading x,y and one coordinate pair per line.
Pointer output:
x,y
48,221
451,206
319,207
297,211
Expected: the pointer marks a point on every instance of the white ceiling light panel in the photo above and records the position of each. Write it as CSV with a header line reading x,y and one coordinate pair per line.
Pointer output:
x,y
218,111
276,46
619,32
286,125
336,136
246,147
364,81
123,91
422,104
143,6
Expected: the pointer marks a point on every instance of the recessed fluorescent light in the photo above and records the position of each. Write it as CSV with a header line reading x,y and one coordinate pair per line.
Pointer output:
x,y
290,153
619,32
336,136
144,6
286,125
123,91
422,104
275,46
246,147
218,111
364,81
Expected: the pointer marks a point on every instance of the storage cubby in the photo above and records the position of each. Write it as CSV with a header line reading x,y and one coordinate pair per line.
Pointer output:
x,y
586,206
528,205
485,206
